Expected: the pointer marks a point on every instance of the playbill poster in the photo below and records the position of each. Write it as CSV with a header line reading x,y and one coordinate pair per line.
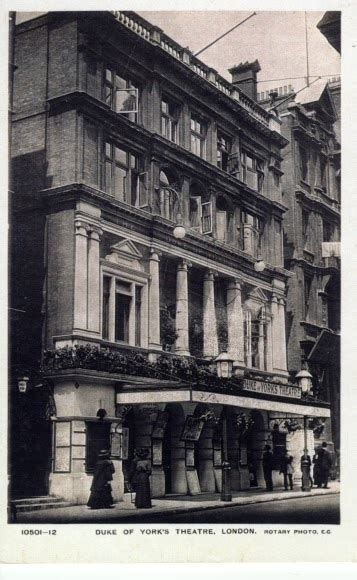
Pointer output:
x,y
179,182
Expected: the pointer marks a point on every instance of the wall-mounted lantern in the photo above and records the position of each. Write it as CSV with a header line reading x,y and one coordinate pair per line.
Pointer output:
x,y
304,379
224,365
22,383
259,265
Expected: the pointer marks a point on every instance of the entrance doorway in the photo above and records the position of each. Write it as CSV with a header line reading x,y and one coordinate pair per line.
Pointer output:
x,y
98,438
129,423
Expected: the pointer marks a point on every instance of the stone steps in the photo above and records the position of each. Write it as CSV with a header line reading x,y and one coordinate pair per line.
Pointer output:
x,y
46,502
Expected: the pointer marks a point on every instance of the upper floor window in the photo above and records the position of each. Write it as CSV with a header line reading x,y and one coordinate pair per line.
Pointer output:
x,y
252,171
198,136
304,224
304,164
121,94
200,210
122,323
168,200
169,119
224,219
307,294
328,231
324,172
123,177
224,147
255,339
252,228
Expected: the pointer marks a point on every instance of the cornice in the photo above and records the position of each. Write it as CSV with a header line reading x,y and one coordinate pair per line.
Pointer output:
x,y
156,228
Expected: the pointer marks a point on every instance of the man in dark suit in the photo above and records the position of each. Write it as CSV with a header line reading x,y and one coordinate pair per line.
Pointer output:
x,y
268,467
325,464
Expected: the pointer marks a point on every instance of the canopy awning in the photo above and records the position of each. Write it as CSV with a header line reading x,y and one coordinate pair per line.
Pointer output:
x,y
295,407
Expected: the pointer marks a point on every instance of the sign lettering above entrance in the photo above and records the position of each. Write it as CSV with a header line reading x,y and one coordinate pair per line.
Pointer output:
x,y
272,388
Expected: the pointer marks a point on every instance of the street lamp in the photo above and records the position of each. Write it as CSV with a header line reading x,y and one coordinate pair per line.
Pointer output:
x,y
179,229
304,379
224,370
259,265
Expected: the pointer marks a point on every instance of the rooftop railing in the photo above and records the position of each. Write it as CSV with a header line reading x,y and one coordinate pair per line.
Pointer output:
x,y
156,36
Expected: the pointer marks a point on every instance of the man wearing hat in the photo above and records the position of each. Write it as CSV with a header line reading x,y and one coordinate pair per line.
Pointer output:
x,y
101,490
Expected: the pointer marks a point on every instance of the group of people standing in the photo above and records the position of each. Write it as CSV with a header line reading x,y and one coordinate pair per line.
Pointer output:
x,y
101,489
322,464
140,471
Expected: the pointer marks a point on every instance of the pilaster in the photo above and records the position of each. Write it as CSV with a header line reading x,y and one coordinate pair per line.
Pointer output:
x,y
182,340
235,322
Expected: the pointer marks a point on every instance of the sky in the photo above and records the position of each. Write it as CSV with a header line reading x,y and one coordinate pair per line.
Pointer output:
x,y
276,39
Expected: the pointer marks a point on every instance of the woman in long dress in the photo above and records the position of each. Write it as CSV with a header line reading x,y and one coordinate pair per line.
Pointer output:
x,y
101,490
140,472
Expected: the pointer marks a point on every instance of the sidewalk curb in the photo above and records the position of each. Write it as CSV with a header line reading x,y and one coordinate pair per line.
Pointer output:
x,y
183,510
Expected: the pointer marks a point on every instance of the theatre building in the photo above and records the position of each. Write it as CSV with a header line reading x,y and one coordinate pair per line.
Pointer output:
x,y
148,280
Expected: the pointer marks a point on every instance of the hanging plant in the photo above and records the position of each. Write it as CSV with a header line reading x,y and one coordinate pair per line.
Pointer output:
x,y
317,426
292,425
243,422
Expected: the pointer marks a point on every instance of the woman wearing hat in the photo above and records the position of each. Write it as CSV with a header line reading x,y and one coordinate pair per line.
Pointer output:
x,y
139,478
101,490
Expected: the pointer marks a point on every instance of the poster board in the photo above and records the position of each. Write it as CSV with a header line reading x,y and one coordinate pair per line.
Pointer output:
x,y
192,429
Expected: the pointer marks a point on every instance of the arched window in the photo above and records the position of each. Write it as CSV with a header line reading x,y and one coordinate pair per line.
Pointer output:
x,y
168,195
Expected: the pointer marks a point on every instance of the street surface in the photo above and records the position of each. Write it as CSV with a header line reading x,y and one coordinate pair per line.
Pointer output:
x,y
311,510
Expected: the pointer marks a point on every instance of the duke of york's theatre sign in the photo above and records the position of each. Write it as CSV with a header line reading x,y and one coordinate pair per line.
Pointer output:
x,y
271,388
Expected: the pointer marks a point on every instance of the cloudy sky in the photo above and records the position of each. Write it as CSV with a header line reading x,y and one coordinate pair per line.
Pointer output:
x,y
276,39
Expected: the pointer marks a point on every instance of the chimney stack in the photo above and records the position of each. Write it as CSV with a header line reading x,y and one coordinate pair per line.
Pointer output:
x,y
244,76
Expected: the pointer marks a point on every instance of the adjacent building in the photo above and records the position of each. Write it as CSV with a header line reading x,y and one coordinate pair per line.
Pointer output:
x,y
148,280
312,191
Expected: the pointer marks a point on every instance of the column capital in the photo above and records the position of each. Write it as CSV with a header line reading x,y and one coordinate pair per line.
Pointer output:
x,y
81,228
274,298
282,301
234,284
155,255
210,275
95,233
184,265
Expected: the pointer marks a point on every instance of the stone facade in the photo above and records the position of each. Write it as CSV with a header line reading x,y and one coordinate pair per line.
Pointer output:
x,y
110,158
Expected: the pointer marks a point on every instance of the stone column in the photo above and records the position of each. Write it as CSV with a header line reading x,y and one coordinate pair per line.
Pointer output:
x,y
269,348
112,310
261,343
94,279
248,338
182,342
154,301
282,334
210,339
275,332
81,275
235,322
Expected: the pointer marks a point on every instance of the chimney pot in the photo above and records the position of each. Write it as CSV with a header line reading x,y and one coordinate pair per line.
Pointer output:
x,y
244,76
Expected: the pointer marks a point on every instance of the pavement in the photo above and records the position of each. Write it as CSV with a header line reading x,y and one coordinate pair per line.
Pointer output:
x,y
126,511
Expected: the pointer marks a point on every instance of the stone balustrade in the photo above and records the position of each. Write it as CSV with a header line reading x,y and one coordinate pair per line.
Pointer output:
x,y
156,36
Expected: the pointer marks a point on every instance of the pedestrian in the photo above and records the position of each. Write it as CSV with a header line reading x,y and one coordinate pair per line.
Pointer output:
x,y
268,461
286,468
316,472
307,458
139,478
325,464
101,490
